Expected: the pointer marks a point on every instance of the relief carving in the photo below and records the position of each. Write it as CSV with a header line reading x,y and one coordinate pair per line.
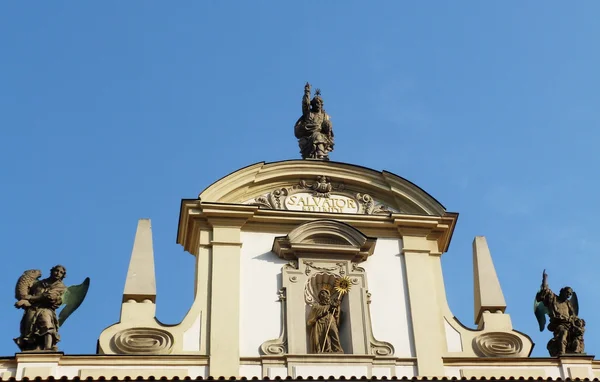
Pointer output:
x,y
320,195
381,348
497,344
356,268
310,265
316,316
143,341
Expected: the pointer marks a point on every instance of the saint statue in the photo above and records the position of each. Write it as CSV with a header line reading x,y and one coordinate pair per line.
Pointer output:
x,y
40,299
562,309
314,130
323,323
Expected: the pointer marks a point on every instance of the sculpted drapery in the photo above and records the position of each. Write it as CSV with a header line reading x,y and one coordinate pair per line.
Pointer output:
x,y
563,310
39,325
313,129
323,323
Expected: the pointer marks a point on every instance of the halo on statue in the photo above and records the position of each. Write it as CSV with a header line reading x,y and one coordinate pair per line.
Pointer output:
x,y
342,286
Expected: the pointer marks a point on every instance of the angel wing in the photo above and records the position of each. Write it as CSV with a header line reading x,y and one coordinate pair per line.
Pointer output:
x,y
575,303
540,311
72,298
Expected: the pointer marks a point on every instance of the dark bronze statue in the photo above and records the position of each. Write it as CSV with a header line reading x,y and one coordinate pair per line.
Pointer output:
x,y
323,323
314,130
40,299
562,309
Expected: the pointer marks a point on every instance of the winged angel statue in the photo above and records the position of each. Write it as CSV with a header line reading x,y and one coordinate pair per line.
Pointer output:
x,y
563,311
40,299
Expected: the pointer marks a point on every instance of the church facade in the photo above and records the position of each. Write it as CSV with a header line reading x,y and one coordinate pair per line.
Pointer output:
x,y
308,268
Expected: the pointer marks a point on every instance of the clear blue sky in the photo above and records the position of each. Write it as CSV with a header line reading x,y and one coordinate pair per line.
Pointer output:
x,y
113,111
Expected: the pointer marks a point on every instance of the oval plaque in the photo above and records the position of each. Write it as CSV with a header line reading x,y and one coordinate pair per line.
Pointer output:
x,y
306,201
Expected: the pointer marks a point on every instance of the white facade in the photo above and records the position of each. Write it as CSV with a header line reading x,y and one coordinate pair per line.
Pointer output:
x,y
265,241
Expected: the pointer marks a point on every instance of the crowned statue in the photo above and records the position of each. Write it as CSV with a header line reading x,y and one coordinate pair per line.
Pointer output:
x,y
313,129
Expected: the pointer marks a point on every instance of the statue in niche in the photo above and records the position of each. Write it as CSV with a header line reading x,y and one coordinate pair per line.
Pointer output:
x,y
563,310
314,130
40,299
323,323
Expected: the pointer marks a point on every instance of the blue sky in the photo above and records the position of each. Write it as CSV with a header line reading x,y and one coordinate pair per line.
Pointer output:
x,y
113,111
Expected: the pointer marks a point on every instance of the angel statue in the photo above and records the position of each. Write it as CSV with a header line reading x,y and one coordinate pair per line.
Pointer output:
x,y
313,129
563,309
40,299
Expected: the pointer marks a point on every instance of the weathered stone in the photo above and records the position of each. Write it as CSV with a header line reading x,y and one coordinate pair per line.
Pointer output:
x,y
563,310
313,129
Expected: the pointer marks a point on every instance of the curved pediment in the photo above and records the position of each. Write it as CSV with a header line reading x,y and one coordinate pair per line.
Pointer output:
x,y
324,237
322,186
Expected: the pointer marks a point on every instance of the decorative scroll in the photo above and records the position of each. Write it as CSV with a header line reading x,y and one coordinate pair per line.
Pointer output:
x,y
143,341
320,196
378,348
381,348
278,346
274,347
356,268
497,344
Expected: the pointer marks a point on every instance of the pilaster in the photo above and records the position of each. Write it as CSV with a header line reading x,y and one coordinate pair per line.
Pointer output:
x,y
420,253
224,345
202,285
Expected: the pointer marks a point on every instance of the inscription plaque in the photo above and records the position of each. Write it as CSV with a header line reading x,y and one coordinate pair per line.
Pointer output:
x,y
305,201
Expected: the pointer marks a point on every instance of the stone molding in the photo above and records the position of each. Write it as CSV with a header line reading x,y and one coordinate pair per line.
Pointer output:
x,y
262,178
497,344
313,265
143,341
328,236
195,216
73,367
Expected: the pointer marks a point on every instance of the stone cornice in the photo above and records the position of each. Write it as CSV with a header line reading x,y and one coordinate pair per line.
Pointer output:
x,y
198,213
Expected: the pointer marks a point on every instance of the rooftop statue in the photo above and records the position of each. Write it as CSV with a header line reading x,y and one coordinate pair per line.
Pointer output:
x,y
40,299
563,310
314,130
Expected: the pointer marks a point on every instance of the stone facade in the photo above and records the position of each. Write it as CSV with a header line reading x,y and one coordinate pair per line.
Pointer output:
x,y
266,238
